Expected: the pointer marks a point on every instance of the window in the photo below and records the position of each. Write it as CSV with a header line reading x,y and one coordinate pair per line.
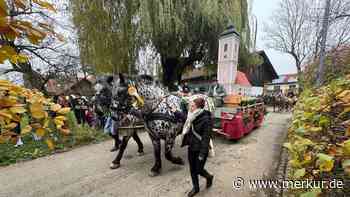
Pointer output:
x,y
225,47
292,87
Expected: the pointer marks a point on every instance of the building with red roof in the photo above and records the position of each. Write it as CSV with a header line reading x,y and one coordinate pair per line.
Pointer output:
x,y
241,79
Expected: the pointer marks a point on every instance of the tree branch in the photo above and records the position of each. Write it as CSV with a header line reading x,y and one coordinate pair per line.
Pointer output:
x,y
342,16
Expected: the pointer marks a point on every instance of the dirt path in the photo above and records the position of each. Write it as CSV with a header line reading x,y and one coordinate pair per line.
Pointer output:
x,y
85,171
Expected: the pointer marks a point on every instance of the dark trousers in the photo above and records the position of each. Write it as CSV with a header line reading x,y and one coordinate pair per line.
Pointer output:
x,y
197,168
118,142
80,115
138,141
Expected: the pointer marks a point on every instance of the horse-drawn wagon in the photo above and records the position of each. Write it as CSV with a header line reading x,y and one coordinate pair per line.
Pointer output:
x,y
234,122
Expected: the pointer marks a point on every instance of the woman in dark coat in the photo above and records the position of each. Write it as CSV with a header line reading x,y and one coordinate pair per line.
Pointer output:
x,y
198,129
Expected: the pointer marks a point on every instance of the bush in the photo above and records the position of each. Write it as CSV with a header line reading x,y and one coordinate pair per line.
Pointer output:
x,y
28,114
319,137
33,149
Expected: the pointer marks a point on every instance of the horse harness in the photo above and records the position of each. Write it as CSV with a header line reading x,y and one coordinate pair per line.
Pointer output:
x,y
151,116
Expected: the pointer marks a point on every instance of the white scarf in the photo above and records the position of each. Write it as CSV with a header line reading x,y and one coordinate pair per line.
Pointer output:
x,y
190,117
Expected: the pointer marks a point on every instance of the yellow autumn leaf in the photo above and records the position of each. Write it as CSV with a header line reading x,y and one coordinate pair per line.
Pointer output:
x,y
18,110
4,139
346,166
8,50
2,121
7,102
4,82
55,107
50,144
295,163
346,148
16,118
16,89
347,132
37,110
5,113
26,130
307,156
325,162
20,4
40,132
64,110
35,36
60,118
315,129
3,8
344,96
11,126
45,4
46,123
36,125
326,166
22,58
58,123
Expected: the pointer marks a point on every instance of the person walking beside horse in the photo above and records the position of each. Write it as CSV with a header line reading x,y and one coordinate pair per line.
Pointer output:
x,y
197,131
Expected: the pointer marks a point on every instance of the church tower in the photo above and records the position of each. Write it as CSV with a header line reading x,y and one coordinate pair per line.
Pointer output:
x,y
228,59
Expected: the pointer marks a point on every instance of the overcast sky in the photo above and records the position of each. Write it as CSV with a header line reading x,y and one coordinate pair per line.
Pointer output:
x,y
282,63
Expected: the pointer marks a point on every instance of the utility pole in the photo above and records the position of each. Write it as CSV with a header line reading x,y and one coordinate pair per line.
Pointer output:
x,y
320,77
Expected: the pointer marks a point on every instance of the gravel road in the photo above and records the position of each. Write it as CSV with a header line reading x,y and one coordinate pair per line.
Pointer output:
x,y
85,171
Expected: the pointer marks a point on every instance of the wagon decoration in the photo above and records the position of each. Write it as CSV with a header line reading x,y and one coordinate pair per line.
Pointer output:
x,y
24,112
239,116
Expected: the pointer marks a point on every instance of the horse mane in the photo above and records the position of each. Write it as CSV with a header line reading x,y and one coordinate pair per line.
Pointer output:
x,y
146,78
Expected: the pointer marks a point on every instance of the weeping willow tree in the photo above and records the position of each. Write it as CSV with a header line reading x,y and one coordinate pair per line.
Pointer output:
x,y
108,37
111,32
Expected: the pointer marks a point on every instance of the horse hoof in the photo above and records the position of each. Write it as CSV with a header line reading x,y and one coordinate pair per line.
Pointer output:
x,y
140,154
114,166
153,174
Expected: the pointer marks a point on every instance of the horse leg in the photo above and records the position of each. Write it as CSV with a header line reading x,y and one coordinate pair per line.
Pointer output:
x,y
116,162
158,162
139,143
169,144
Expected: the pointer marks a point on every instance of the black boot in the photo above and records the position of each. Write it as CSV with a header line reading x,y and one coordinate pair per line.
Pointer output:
x,y
210,181
193,192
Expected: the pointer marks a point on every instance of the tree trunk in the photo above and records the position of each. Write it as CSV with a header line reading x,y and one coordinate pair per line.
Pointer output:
x,y
170,68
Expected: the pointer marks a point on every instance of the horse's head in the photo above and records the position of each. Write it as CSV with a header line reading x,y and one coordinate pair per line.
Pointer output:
x,y
123,92
103,94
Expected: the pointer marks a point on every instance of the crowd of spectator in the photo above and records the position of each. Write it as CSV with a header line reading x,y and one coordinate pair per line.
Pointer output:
x,y
82,107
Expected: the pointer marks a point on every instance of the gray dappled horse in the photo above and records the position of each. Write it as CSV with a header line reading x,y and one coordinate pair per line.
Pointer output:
x,y
156,113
